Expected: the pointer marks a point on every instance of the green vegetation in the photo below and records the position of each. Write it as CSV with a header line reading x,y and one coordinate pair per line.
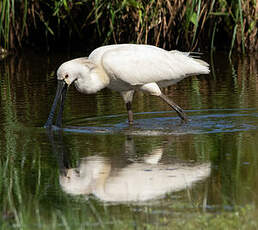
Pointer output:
x,y
186,24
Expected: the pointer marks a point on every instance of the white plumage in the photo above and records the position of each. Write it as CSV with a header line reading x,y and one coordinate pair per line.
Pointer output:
x,y
126,68
141,64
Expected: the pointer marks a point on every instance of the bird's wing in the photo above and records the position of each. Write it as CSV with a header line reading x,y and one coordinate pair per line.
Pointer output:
x,y
141,64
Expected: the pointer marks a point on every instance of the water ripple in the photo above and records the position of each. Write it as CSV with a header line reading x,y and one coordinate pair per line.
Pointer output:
x,y
166,123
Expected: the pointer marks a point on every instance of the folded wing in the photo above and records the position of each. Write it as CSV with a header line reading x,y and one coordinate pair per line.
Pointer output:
x,y
141,64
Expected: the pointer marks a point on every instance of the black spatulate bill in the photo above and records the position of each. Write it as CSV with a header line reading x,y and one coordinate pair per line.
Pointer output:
x,y
60,94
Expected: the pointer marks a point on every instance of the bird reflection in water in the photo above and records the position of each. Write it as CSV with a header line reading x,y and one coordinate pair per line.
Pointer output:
x,y
139,181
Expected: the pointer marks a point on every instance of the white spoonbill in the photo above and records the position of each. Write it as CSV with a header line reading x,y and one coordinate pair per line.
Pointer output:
x,y
126,68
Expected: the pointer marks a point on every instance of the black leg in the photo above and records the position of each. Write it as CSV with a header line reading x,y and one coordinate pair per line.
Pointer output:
x,y
174,106
130,112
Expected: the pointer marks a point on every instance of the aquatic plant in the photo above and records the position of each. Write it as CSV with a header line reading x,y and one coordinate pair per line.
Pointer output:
x,y
168,24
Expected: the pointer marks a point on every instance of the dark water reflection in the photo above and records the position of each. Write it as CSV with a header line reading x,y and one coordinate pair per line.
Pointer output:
x,y
220,141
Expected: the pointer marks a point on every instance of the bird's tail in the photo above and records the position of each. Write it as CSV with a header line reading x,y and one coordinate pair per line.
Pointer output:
x,y
195,55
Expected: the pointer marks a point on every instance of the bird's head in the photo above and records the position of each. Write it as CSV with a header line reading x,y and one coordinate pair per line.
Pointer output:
x,y
67,73
87,76
71,70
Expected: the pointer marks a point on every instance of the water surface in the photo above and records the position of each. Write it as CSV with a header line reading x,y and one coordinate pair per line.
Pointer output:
x,y
99,171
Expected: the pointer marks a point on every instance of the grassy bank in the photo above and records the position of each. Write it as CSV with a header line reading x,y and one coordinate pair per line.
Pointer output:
x,y
169,24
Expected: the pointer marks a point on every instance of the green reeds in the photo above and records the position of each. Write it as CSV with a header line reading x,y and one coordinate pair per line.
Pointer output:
x,y
168,24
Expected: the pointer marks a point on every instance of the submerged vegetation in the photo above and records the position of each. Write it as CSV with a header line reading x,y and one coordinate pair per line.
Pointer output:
x,y
186,24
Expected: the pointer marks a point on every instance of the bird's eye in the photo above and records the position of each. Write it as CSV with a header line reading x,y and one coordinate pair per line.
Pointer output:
x,y
66,76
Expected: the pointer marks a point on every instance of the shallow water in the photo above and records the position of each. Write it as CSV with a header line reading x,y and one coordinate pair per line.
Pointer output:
x,y
99,171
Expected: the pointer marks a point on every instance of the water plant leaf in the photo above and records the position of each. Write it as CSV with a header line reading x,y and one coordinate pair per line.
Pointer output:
x,y
219,13
194,19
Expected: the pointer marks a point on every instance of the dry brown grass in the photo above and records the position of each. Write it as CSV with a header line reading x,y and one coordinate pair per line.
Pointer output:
x,y
187,24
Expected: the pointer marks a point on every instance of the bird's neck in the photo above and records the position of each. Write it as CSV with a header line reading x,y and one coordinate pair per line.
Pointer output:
x,y
94,82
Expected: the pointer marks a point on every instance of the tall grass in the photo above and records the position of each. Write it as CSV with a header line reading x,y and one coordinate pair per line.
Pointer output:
x,y
168,24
